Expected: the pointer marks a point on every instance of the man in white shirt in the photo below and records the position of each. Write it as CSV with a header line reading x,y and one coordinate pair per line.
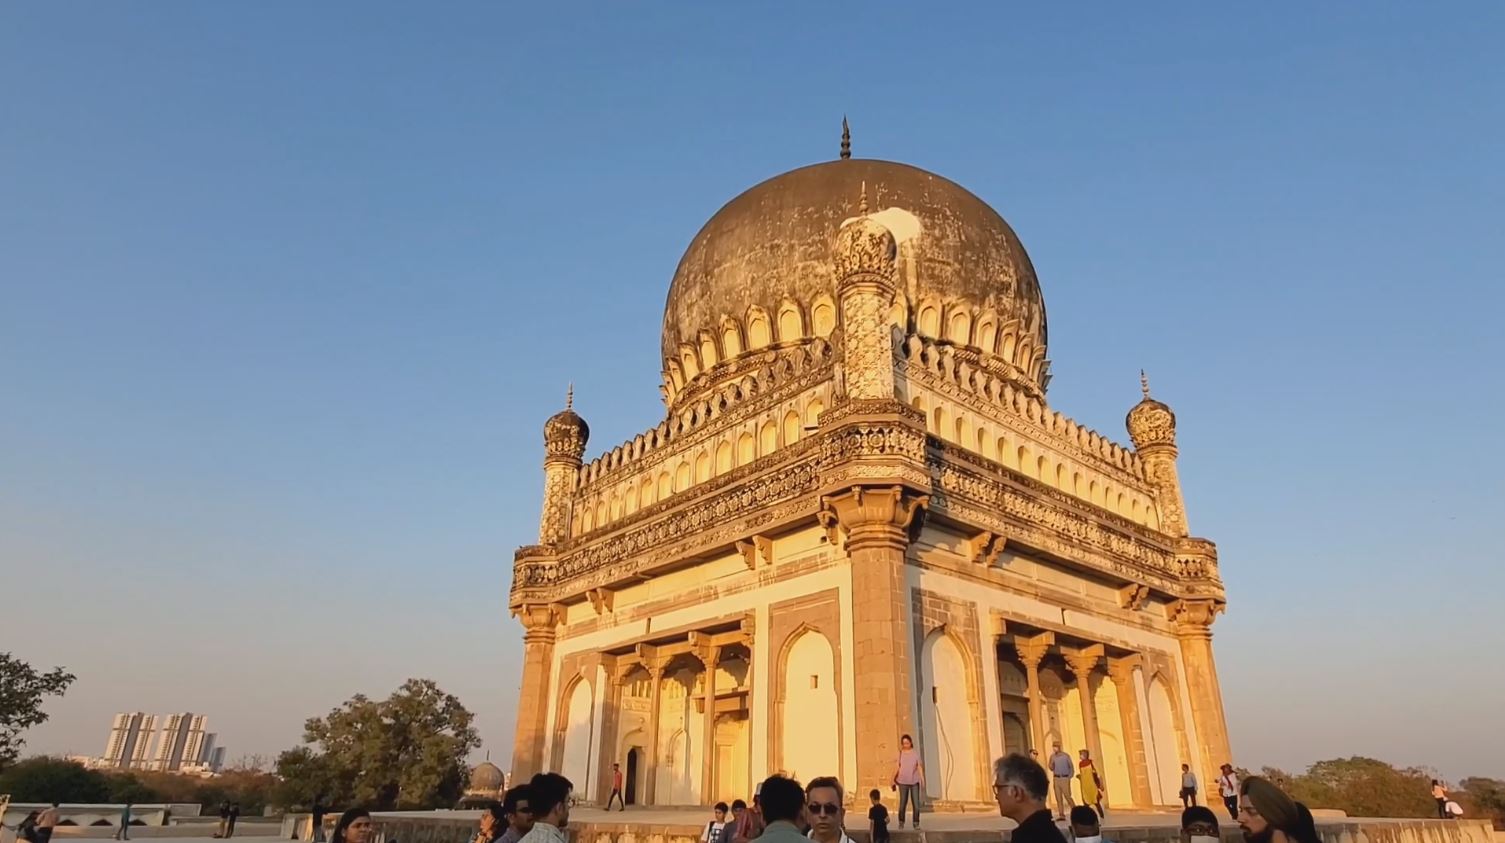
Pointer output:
x,y
825,807
1228,789
549,797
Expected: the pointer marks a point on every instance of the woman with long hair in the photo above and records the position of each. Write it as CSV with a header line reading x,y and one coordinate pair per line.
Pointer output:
x,y
354,827
909,778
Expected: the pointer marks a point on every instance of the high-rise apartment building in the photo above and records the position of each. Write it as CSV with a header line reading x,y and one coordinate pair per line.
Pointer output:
x,y
130,737
181,739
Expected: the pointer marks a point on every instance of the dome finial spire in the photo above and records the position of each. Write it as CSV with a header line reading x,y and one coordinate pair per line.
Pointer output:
x,y
569,396
846,139
862,201
1144,384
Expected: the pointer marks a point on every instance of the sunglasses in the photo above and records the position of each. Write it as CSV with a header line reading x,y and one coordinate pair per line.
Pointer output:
x,y
823,808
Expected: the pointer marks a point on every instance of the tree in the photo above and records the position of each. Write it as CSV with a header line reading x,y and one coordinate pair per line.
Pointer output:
x,y
44,779
21,692
405,752
1361,787
1485,797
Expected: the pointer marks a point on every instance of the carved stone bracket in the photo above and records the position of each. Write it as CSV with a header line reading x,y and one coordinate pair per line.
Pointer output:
x,y
756,552
601,599
876,515
1132,596
1121,670
1083,660
985,548
1194,616
539,621
1032,650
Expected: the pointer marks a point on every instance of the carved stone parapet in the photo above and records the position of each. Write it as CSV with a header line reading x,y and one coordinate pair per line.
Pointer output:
x,y
876,516
1197,559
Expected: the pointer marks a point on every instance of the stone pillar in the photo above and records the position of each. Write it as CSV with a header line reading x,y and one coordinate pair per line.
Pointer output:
x,y
655,694
1031,653
1121,671
1152,427
1082,663
564,437
876,521
864,266
539,623
1194,628
709,656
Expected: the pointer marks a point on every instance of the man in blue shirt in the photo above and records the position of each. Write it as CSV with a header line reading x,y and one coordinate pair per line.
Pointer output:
x,y
1062,769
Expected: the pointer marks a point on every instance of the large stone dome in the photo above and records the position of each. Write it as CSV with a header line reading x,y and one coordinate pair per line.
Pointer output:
x,y
760,273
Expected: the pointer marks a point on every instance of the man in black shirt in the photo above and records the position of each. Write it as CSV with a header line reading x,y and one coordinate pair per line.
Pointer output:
x,y
1020,786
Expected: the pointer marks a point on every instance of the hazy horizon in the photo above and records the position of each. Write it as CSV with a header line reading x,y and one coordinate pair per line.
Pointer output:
x,y
287,292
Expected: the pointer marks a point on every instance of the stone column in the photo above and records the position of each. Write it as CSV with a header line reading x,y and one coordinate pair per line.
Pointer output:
x,y
876,521
1194,628
1031,653
655,694
1121,671
539,623
864,265
1082,663
564,435
709,656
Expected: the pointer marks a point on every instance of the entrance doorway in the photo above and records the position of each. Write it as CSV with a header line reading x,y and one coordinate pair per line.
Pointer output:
x,y
633,756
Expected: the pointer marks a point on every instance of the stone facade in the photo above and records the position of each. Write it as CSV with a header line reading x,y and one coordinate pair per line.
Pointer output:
x,y
859,520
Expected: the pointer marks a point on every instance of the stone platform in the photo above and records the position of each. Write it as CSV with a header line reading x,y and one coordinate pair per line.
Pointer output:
x,y
684,825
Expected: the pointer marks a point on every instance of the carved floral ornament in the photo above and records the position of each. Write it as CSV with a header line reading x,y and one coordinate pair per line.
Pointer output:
x,y
865,249
1151,423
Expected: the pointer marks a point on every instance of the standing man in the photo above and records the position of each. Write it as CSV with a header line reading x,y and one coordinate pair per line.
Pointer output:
x,y
123,832
783,802
1188,787
318,811
1062,770
517,808
1020,787
47,821
549,796
234,815
825,804
616,789
224,819
1228,789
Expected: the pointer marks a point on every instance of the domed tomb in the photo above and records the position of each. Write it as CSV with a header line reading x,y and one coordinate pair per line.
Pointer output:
x,y
761,274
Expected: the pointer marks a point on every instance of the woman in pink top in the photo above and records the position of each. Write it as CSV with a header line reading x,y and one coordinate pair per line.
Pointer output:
x,y
909,777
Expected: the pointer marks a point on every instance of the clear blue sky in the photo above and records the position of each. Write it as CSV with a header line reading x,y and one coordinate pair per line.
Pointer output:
x,y
288,289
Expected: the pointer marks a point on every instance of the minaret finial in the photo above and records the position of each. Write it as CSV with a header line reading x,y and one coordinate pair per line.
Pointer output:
x,y
846,139
569,396
862,201
1144,384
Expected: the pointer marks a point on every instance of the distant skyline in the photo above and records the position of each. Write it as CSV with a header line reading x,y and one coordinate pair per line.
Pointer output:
x,y
288,290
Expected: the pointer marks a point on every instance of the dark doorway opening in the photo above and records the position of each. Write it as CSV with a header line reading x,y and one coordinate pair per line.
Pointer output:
x,y
631,796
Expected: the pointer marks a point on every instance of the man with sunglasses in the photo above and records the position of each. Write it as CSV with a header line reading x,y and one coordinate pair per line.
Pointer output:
x,y
515,807
1021,787
824,806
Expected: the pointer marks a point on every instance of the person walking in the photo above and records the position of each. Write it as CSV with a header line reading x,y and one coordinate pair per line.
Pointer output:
x,y
1440,794
1188,786
1062,769
877,818
616,789
123,831
1091,783
1020,787
234,815
1229,790
909,778
783,803
316,819
224,819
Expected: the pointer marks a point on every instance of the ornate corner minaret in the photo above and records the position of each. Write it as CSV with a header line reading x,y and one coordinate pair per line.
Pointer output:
x,y
1152,427
864,257
564,438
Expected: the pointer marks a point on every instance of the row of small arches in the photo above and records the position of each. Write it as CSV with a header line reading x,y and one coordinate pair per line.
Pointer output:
x,y
736,449
1029,460
788,364
1020,342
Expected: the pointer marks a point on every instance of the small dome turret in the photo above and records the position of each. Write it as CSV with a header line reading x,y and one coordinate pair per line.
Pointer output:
x,y
565,433
1150,422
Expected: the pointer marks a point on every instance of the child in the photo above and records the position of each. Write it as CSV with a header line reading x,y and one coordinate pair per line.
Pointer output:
x,y
1085,826
877,818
